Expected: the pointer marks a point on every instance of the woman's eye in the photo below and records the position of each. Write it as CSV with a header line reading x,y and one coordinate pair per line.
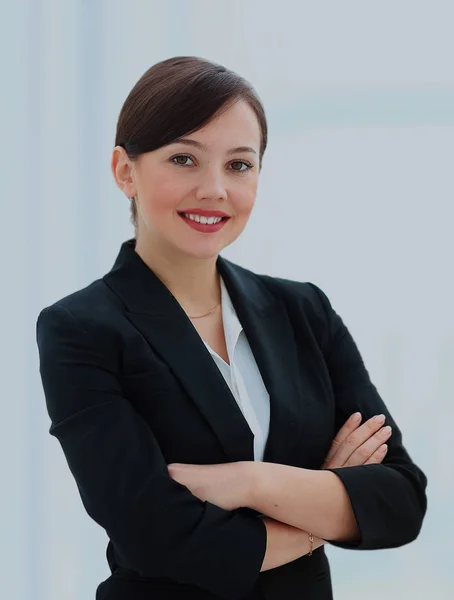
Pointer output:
x,y
241,162
183,156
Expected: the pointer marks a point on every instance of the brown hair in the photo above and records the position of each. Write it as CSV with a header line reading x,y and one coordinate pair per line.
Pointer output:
x,y
176,97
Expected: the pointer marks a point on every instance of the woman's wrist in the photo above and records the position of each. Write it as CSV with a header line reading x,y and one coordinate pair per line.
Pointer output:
x,y
286,544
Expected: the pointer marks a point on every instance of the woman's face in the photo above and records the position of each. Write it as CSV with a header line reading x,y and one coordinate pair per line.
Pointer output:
x,y
214,169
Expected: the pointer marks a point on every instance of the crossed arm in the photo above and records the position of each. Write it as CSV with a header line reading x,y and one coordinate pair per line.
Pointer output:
x,y
294,500
354,501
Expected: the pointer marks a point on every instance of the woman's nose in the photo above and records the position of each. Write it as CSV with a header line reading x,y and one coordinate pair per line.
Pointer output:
x,y
212,185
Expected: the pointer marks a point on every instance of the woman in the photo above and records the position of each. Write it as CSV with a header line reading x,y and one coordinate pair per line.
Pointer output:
x,y
221,425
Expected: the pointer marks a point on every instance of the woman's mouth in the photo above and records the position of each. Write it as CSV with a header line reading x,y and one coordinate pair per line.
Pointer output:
x,y
205,224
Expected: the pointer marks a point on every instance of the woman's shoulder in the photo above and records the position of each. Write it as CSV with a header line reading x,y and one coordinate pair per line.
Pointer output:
x,y
91,305
305,294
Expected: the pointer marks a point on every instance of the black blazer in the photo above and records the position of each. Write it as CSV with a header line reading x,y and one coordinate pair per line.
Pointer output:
x,y
130,387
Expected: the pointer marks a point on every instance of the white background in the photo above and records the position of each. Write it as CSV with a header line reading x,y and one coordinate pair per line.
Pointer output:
x,y
356,195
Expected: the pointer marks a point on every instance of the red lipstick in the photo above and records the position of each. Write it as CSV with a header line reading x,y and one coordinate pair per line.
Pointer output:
x,y
204,227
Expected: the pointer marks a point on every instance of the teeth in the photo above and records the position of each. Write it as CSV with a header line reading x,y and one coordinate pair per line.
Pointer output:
x,y
204,220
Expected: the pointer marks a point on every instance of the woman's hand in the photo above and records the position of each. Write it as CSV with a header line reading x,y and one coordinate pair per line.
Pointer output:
x,y
355,445
227,485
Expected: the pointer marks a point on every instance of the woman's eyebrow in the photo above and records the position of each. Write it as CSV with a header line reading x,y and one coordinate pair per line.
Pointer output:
x,y
197,144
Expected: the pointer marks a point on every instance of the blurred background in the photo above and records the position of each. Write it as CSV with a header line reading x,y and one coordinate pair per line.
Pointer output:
x,y
359,167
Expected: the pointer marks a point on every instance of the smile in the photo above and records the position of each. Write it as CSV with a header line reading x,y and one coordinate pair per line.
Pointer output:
x,y
202,219
204,224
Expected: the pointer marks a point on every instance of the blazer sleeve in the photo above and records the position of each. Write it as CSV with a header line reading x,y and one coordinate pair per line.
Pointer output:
x,y
388,499
157,526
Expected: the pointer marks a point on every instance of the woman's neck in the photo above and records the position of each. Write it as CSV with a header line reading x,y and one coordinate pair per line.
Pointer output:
x,y
194,282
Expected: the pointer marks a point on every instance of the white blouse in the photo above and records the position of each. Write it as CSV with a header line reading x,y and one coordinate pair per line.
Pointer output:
x,y
243,376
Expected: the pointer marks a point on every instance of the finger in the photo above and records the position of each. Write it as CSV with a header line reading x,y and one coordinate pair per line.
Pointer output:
x,y
356,439
364,452
378,455
350,425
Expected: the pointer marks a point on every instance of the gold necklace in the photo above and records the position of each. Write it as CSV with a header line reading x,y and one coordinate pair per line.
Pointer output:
x,y
206,314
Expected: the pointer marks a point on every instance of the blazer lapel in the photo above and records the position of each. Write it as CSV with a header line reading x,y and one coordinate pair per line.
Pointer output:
x,y
270,336
177,342
155,312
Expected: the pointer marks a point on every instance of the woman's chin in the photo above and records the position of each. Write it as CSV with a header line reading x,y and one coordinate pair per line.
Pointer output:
x,y
203,251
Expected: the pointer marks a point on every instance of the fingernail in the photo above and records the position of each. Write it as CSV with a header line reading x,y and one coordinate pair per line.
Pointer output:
x,y
379,418
383,449
386,431
356,417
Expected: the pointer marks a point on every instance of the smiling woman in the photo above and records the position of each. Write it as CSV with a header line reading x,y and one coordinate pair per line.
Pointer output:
x,y
188,102
203,408
215,175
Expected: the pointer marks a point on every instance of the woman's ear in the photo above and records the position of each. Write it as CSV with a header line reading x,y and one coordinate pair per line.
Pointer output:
x,y
122,169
